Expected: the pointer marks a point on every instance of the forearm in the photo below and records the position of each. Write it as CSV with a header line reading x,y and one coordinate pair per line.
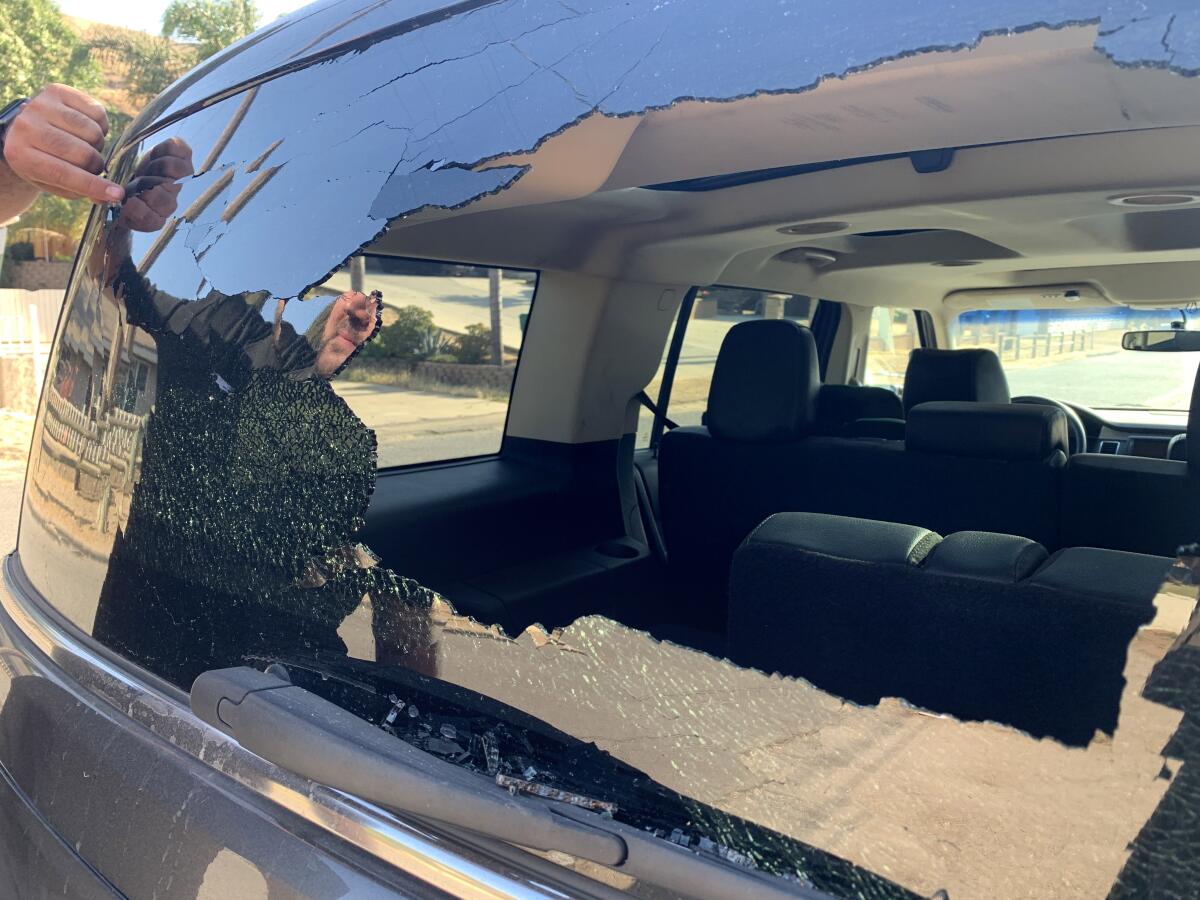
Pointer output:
x,y
16,194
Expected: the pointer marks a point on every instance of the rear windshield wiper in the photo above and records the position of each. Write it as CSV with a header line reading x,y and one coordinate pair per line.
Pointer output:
x,y
298,730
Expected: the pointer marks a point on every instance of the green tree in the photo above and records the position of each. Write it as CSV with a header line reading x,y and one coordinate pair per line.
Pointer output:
x,y
37,47
407,338
146,64
474,347
211,25
66,217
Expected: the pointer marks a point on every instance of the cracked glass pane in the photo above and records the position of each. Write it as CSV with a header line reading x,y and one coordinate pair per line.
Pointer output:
x,y
873,714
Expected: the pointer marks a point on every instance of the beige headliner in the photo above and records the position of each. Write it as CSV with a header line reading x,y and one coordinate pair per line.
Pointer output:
x,y
1034,213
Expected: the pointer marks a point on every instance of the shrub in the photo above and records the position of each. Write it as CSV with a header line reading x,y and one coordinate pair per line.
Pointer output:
x,y
406,338
444,358
474,347
434,343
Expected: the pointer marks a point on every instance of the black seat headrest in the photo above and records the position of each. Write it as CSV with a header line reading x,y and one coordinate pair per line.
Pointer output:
x,y
974,375
988,430
839,406
765,384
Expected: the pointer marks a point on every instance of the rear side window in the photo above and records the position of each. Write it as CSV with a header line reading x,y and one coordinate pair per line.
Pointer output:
x,y
714,312
893,336
435,382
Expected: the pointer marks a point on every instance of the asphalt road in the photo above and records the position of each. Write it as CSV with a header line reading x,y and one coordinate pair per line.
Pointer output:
x,y
1112,380
422,426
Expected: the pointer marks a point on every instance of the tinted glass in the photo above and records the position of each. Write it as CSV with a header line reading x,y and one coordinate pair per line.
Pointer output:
x,y
1075,355
434,383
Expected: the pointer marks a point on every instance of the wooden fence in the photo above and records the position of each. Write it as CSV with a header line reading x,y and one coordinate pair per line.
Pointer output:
x,y
27,322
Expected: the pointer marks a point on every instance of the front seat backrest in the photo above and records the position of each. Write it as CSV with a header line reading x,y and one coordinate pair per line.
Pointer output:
x,y
765,383
982,467
1134,502
718,481
963,375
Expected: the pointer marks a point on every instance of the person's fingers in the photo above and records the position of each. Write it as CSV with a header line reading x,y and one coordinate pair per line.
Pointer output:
x,y
57,191
59,176
80,102
70,149
161,201
166,167
72,121
137,215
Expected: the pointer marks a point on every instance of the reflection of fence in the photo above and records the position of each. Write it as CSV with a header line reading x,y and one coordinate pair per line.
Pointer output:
x,y
103,451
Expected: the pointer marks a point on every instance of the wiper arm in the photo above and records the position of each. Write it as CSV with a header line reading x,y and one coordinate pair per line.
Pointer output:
x,y
322,742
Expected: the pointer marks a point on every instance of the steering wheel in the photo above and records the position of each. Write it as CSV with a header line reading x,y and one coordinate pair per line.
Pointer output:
x,y
1077,434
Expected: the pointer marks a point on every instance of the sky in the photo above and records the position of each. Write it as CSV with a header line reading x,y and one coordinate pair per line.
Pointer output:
x,y
147,14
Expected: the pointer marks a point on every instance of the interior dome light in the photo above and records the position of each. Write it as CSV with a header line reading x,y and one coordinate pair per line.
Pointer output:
x,y
815,228
1156,200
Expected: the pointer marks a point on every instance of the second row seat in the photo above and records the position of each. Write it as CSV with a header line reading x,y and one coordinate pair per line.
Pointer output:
x,y
977,625
967,465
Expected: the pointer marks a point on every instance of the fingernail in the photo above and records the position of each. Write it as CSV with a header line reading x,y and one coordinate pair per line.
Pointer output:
x,y
114,193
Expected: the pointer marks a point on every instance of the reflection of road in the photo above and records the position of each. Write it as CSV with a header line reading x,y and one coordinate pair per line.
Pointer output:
x,y
422,426
1121,378
454,302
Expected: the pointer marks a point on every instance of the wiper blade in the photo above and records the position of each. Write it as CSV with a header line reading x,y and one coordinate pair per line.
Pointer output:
x,y
322,742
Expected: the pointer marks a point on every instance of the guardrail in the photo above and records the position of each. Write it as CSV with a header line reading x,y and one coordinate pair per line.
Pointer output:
x,y
1028,345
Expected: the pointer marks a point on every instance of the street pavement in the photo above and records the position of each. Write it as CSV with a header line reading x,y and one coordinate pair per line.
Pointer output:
x,y
422,426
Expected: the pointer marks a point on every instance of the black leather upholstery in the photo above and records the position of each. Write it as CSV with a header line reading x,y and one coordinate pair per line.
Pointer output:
x,y
880,429
841,406
968,375
1132,502
982,554
1108,574
1129,503
988,430
976,638
765,383
1177,448
865,539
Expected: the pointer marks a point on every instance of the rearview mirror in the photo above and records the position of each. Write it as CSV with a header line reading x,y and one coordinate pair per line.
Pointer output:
x,y
1169,341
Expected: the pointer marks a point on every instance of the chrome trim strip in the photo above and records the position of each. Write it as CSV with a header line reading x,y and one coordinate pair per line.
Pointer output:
x,y
406,845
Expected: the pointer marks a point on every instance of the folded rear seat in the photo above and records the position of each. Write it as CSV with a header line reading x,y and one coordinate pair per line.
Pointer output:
x,y
978,625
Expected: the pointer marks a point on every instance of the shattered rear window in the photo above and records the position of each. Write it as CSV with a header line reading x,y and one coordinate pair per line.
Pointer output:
x,y
203,467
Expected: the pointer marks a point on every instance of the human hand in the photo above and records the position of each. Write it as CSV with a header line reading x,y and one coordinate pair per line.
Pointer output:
x,y
153,192
54,144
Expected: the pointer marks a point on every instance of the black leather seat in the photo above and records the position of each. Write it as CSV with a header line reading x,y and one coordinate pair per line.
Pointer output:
x,y
971,466
715,481
987,467
1135,503
978,625
973,376
842,408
